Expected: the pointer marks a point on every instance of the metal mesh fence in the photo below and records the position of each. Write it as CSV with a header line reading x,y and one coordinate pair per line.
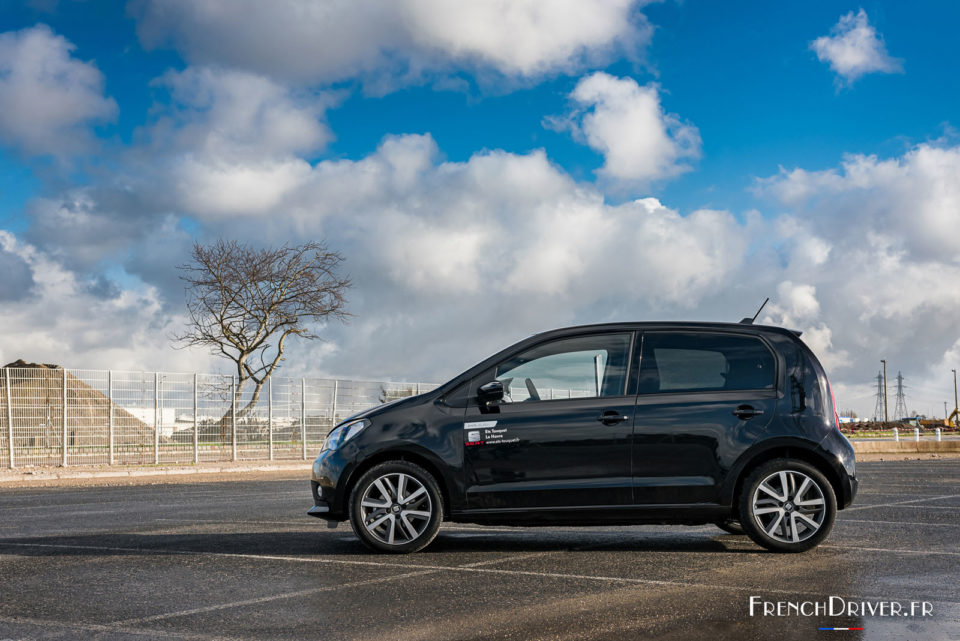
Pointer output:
x,y
52,416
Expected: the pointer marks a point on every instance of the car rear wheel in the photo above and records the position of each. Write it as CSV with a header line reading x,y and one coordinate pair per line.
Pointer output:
x,y
396,507
790,506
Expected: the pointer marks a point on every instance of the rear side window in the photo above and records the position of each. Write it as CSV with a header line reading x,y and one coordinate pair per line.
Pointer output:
x,y
704,362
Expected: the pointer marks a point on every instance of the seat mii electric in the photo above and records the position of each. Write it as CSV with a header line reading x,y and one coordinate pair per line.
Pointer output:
x,y
628,423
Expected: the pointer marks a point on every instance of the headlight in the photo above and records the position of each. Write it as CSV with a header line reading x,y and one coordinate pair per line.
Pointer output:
x,y
343,433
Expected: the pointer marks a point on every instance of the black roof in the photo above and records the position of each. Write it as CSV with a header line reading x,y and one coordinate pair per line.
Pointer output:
x,y
632,325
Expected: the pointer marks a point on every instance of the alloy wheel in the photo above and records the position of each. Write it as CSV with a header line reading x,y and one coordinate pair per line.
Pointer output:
x,y
396,508
789,506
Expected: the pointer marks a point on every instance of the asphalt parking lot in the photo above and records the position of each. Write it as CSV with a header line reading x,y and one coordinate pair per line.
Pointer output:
x,y
241,560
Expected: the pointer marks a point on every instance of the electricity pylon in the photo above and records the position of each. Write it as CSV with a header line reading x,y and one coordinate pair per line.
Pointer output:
x,y
900,411
878,409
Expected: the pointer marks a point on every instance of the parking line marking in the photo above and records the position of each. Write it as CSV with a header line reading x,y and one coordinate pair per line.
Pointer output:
x,y
890,550
839,521
898,503
509,557
96,627
265,599
913,507
455,568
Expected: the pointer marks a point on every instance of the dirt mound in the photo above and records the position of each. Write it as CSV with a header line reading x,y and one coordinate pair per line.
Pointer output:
x,y
36,392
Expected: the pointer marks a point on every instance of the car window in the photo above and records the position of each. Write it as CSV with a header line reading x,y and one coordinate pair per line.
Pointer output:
x,y
582,367
702,362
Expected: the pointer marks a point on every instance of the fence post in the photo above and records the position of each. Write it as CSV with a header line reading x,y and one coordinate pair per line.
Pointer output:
x,y
110,419
233,416
938,432
270,413
6,376
303,416
333,414
916,434
896,434
196,423
418,389
63,440
156,417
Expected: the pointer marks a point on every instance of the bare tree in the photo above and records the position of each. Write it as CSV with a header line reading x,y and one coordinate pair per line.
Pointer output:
x,y
244,303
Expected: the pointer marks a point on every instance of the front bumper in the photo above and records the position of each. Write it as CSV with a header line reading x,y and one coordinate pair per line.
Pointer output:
x,y
327,480
321,508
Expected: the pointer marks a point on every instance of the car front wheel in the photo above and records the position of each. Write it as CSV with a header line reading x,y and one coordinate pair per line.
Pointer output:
x,y
396,507
787,506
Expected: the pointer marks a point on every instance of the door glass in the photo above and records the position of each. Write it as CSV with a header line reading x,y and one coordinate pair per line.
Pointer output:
x,y
582,367
689,362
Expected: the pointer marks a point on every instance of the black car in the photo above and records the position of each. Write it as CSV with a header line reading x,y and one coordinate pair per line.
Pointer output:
x,y
627,423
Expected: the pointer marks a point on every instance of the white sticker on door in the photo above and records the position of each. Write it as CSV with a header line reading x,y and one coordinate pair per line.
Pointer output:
x,y
479,425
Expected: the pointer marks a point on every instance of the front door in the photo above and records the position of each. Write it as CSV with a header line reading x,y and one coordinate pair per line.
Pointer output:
x,y
561,435
702,397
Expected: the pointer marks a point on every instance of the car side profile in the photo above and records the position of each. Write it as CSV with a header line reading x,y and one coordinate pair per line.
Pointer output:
x,y
614,424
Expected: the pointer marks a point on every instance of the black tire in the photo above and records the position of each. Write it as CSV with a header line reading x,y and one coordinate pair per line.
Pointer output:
x,y
411,531
731,526
760,508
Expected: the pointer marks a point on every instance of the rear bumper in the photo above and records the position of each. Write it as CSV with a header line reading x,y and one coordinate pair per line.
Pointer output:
x,y
849,491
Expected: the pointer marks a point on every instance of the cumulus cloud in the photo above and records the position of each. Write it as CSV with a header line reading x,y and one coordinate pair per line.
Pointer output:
x,y
493,248
854,48
910,202
626,123
869,242
232,142
78,322
17,277
325,42
236,115
48,98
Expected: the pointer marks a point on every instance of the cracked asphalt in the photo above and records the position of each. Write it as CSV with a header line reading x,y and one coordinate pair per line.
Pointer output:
x,y
241,560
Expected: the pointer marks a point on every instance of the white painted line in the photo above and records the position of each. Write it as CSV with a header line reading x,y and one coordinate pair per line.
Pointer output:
x,y
298,522
896,503
265,599
94,627
465,569
917,523
915,507
511,557
891,550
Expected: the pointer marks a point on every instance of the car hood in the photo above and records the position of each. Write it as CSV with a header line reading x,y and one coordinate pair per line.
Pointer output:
x,y
385,407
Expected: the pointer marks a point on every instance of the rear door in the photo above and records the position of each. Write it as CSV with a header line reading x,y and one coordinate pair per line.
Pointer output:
x,y
702,394
561,436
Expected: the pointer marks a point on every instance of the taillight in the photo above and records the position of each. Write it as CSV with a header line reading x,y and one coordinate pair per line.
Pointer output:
x,y
836,414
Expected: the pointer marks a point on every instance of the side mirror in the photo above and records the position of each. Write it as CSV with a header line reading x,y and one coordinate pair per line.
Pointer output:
x,y
491,392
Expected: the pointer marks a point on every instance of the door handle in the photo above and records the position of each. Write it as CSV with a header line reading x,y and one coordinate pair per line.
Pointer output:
x,y
746,412
612,417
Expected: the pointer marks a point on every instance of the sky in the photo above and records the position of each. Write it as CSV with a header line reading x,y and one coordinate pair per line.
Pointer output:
x,y
488,171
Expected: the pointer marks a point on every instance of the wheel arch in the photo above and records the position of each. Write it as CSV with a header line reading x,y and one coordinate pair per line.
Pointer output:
x,y
411,455
796,449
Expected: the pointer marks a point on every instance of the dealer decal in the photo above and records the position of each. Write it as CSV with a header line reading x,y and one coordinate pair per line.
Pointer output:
x,y
487,433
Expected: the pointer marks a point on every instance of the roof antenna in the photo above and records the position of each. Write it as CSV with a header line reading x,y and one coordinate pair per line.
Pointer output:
x,y
748,320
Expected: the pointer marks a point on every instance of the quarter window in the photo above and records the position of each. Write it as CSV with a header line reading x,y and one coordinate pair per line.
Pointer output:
x,y
582,367
693,362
